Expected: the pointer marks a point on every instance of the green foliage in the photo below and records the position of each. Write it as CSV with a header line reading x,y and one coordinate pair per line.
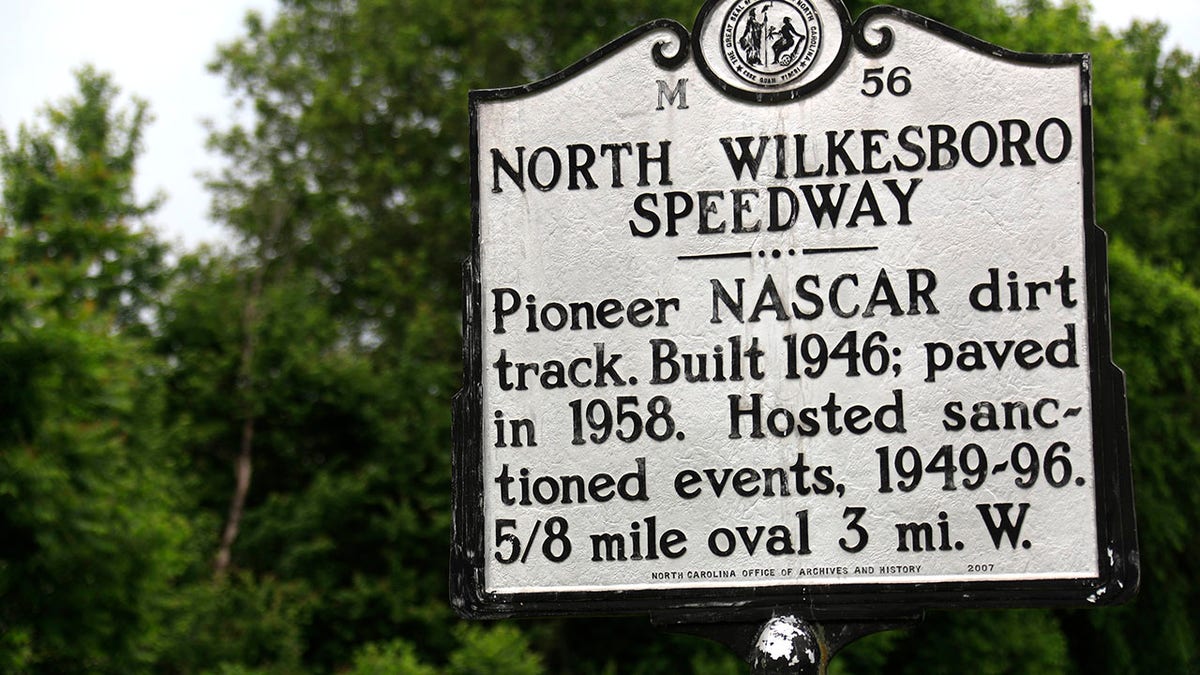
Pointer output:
x,y
68,196
396,657
723,664
90,514
331,333
239,622
492,651
498,650
1156,329
341,504
1015,642
867,655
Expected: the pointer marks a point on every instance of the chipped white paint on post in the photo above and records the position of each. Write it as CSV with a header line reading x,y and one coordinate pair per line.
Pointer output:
x,y
787,644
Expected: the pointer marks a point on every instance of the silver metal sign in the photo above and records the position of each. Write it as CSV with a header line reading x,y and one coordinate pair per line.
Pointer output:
x,y
789,311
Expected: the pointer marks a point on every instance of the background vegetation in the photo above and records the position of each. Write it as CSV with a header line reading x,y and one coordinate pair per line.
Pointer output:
x,y
237,461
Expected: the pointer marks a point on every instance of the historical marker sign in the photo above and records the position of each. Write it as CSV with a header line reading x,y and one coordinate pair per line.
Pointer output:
x,y
789,311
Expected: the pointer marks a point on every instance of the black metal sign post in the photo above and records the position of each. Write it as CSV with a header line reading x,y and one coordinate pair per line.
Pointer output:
x,y
785,329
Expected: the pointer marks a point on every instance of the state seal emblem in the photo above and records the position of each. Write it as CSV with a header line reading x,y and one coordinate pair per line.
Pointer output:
x,y
771,43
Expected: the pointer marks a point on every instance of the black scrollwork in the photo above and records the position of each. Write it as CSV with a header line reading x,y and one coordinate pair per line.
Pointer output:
x,y
864,43
680,42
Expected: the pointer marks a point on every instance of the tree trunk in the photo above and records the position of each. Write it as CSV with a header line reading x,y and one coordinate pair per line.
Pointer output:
x,y
243,470
244,464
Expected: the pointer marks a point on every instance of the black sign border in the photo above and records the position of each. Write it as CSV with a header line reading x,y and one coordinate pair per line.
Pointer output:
x,y
1117,550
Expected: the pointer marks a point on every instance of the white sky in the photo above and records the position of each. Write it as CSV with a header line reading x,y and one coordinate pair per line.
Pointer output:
x,y
158,49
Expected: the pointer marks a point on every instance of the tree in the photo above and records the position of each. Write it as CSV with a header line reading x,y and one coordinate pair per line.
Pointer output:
x,y
68,193
88,491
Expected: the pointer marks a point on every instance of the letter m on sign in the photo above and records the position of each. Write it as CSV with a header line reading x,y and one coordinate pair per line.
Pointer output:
x,y
669,95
